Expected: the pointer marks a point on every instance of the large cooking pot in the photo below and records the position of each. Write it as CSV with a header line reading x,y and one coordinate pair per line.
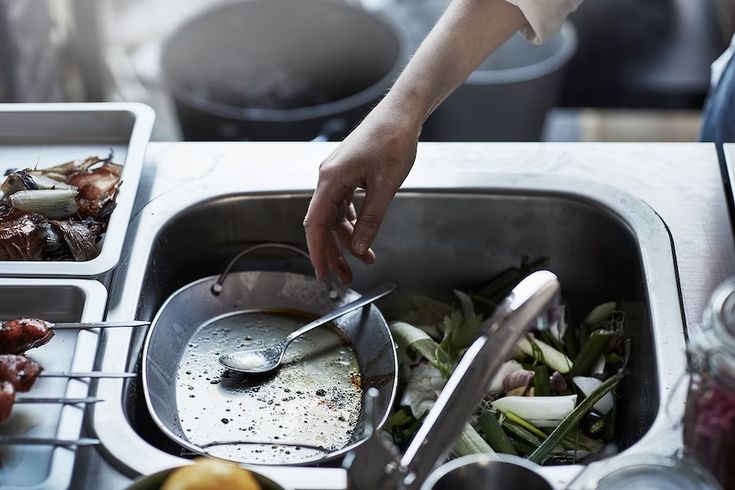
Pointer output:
x,y
279,70
508,96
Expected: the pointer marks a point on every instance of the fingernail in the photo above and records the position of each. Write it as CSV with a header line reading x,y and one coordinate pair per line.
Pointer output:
x,y
360,246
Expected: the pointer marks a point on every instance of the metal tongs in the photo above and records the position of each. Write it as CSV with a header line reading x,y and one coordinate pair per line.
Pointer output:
x,y
377,462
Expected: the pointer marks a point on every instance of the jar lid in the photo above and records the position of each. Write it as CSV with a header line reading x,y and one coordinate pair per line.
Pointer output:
x,y
655,477
652,472
715,343
723,306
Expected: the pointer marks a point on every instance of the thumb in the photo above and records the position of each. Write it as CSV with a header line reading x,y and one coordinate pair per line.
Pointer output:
x,y
369,219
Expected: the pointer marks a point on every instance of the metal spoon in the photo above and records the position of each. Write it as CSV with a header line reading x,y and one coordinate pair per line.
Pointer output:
x,y
85,325
262,360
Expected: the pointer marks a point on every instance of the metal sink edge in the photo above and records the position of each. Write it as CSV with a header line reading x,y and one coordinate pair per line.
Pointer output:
x,y
133,455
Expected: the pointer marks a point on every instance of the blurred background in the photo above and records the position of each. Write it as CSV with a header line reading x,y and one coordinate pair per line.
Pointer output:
x,y
620,70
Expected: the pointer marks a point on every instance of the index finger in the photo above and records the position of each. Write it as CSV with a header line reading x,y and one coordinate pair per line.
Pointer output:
x,y
318,225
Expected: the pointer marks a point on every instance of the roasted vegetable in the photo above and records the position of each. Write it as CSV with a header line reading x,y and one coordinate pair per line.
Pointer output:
x,y
17,181
45,182
99,183
80,238
53,240
78,197
99,209
61,172
22,238
51,203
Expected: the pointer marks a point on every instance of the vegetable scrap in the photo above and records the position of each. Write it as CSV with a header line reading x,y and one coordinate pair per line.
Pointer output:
x,y
57,213
554,402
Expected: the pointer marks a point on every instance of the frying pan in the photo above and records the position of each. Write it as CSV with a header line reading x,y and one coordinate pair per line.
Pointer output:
x,y
209,299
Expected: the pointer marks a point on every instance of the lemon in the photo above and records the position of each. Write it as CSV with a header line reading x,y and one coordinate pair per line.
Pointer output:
x,y
211,474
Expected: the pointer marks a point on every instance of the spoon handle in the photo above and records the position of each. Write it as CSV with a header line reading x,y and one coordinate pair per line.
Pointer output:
x,y
363,300
83,325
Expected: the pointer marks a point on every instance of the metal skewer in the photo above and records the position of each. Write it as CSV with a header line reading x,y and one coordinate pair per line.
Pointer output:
x,y
62,400
91,374
84,325
47,441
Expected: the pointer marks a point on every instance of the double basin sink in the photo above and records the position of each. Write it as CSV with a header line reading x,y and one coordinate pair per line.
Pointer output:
x,y
602,243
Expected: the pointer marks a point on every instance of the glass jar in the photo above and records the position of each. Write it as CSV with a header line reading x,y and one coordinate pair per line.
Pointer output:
x,y
709,421
652,472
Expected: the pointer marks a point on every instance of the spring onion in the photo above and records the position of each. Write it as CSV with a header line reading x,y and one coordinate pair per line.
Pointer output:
x,y
407,335
546,422
519,432
551,357
494,433
570,421
525,424
599,314
541,381
470,442
591,351
599,368
541,411
588,385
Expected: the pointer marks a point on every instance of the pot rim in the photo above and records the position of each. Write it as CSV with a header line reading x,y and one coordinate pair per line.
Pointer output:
x,y
319,111
472,459
535,70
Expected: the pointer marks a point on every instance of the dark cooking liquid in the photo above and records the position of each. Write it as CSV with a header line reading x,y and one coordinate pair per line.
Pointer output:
x,y
306,409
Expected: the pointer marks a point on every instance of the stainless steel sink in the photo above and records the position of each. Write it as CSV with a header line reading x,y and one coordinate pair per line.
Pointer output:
x,y
602,243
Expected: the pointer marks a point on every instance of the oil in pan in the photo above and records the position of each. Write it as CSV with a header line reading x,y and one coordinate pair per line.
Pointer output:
x,y
305,410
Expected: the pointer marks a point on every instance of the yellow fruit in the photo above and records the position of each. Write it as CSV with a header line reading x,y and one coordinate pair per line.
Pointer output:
x,y
211,474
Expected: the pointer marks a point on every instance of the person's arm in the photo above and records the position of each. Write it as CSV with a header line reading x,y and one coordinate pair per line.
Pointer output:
x,y
379,153
463,37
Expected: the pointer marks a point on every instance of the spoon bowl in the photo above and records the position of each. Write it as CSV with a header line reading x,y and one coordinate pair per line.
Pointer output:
x,y
254,361
266,359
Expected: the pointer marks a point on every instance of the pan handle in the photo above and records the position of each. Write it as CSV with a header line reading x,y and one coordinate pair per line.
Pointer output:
x,y
216,288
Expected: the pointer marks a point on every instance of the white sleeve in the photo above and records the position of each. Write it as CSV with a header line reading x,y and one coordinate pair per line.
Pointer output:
x,y
544,17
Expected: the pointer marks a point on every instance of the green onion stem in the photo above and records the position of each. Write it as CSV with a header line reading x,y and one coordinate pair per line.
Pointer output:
x,y
591,352
494,433
570,421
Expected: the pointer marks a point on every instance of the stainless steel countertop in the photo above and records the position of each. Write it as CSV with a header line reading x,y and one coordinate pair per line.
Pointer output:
x,y
681,182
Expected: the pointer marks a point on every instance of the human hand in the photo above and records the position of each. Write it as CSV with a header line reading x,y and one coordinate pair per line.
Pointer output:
x,y
376,157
